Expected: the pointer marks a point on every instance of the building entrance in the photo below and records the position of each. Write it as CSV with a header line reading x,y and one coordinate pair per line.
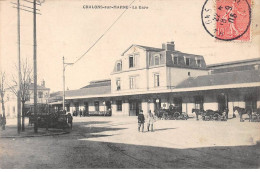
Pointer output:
x,y
222,102
178,104
134,107
85,112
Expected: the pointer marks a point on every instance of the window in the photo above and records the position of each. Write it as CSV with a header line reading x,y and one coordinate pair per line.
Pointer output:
x,y
198,62
187,61
174,59
118,84
119,105
157,59
156,80
188,73
27,97
13,109
40,94
132,82
118,66
199,100
131,61
96,103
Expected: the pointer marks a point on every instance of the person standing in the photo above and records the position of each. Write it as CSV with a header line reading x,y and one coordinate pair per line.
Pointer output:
x,y
151,120
141,121
70,119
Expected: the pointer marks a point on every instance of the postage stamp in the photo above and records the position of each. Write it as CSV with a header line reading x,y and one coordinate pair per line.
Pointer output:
x,y
227,20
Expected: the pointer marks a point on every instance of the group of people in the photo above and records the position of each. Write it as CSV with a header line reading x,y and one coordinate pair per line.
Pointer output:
x,y
150,121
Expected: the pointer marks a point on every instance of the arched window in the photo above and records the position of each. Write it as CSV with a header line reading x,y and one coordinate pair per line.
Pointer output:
x,y
119,66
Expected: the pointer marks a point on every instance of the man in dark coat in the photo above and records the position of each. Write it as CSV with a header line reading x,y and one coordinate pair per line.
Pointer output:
x,y
141,121
70,119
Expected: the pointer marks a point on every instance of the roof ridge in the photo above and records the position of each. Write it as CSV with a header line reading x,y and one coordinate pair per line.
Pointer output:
x,y
233,62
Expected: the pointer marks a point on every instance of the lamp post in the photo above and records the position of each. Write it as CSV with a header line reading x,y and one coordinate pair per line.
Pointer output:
x,y
157,102
64,66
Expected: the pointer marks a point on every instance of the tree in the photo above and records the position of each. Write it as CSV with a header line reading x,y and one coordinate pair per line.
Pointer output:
x,y
26,76
2,91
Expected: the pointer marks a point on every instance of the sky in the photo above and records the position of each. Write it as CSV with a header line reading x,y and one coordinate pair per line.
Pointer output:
x,y
66,29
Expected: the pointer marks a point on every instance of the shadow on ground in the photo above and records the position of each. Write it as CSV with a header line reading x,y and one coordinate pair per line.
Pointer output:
x,y
72,152
86,130
116,155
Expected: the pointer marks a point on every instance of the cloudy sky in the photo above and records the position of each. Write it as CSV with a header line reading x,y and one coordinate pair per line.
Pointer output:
x,y
66,29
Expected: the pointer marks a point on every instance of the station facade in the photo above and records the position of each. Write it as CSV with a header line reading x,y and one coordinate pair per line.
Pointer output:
x,y
148,78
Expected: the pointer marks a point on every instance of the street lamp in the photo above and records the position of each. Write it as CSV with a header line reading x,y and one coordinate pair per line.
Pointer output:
x,y
157,102
64,66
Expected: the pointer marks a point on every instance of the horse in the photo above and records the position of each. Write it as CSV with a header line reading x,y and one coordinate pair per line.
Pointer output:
x,y
242,111
198,112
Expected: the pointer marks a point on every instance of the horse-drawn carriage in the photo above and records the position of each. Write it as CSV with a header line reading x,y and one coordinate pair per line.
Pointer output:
x,y
173,113
210,115
256,116
49,120
253,115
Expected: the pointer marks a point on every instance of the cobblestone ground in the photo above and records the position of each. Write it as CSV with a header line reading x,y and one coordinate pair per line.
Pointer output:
x,y
114,142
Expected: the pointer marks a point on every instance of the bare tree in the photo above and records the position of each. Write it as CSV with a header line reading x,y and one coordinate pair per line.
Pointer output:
x,y
26,76
2,91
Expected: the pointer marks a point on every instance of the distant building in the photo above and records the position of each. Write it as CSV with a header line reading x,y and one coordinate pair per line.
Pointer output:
x,y
148,78
43,95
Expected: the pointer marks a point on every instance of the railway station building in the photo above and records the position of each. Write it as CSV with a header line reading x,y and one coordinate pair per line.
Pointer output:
x,y
148,78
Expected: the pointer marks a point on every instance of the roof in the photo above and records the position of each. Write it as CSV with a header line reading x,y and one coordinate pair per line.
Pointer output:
x,y
39,87
234,62
94,90
143,47
237,77
149,48
98,83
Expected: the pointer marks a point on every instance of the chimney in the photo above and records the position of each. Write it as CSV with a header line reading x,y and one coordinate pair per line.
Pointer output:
x,y
43,83
256,67
169,46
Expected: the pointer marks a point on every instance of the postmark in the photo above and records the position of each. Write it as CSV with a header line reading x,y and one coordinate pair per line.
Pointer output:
x,y
227,20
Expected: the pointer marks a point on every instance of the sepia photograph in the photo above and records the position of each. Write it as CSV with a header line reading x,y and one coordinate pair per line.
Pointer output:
x,y
129,84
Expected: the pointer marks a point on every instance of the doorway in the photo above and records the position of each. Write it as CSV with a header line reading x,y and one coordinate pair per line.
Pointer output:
x,y
178,104
108,105
222,102
86,109
157,104
134,107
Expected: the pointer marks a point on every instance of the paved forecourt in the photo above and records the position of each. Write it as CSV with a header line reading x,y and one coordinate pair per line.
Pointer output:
x,y
174,133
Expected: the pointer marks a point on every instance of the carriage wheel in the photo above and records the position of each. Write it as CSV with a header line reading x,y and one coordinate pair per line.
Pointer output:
x,y
176,115
185,116
217,116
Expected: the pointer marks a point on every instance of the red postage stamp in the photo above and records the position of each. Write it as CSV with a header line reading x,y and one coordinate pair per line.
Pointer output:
x,y
227,19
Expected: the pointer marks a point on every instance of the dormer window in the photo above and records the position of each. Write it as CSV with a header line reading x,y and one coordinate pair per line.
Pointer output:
x,y
187,61
40,94
198,62
157,59
131,61
174,59
119,66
